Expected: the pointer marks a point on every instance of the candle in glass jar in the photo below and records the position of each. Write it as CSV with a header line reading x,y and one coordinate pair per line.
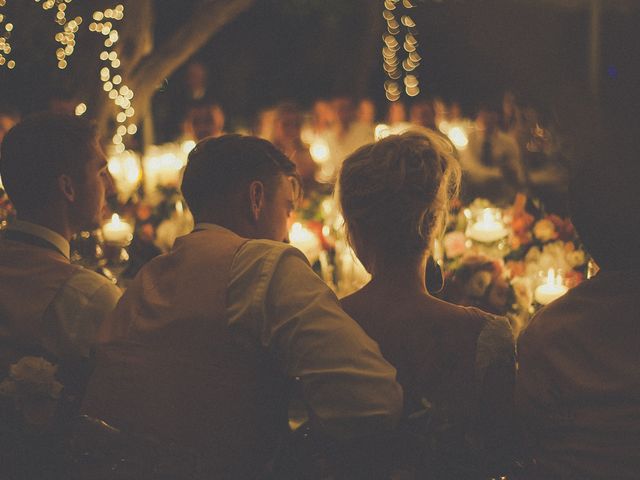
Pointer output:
x,y
552,289
117,232
487,229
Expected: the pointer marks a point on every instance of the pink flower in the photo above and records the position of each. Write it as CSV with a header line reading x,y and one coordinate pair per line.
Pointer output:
x,y
454,244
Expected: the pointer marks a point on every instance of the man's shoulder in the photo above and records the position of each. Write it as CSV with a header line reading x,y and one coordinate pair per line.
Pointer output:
x,y
555,322
266,252
87,282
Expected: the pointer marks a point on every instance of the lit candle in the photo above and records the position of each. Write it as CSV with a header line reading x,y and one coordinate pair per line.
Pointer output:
x,y
487,229
117,232
320,151
459,137
306,241
552,289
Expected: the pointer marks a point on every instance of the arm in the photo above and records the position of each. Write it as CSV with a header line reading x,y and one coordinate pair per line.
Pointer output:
x,y
77,311
495,372
348,386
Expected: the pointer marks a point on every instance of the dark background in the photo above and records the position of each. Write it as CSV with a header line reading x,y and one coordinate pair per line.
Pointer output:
x,y
304,49
472,51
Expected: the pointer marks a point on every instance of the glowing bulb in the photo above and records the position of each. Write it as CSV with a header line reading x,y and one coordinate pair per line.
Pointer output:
x,y
319,151
81,108
459,138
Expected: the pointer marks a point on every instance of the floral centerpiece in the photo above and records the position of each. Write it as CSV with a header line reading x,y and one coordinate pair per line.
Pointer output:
x,y
34,390
501,277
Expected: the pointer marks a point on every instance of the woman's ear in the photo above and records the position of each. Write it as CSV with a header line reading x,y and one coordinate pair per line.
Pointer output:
x,y
256,199
67,187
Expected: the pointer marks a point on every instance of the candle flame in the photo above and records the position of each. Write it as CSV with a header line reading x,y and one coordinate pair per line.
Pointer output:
x,y
554,278
115,219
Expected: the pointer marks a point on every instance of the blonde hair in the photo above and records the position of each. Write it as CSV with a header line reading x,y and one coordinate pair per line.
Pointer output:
x,y
395,194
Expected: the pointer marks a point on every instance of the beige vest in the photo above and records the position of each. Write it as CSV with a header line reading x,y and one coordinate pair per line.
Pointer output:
x,y
168,365
30,279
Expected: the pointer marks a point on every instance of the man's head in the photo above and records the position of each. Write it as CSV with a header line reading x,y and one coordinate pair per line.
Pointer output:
x,y
603,194
287,124
204,119
8,119
54,162
242,183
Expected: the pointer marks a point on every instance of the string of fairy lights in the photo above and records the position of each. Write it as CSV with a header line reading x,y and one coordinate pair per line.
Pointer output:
x,y
112,81
400,57
66,38
5,45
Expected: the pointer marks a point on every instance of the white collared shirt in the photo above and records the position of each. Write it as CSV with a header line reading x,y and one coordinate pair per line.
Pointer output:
x,y
44,233
274,297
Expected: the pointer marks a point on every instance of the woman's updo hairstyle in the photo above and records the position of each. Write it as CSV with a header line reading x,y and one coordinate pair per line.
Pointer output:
x,y
395,194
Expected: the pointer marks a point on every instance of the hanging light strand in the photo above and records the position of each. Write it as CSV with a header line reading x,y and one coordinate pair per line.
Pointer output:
x,y
400,57
112,81
5,45
66,38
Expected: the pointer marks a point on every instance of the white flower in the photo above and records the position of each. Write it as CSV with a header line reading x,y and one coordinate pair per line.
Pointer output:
x,y
33,375
523,292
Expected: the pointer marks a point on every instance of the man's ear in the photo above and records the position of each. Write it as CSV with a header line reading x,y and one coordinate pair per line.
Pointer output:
x,y
256,198
67,187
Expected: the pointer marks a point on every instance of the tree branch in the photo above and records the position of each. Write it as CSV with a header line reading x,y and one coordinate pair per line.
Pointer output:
x,y
208,17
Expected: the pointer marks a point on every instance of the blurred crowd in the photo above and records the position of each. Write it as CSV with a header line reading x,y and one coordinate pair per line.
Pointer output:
x,y
504,146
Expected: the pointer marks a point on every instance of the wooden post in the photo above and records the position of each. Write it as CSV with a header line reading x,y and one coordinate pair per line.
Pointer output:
x,y
595,41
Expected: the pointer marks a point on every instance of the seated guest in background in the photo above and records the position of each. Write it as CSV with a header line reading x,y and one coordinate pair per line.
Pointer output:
x,y
423,115
8,118
203,347
346,134
204,119
578,387
56,175
457,362
492,161
286,137
366,113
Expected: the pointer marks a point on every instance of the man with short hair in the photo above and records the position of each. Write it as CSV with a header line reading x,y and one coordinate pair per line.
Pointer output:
x,y
54,172
204,346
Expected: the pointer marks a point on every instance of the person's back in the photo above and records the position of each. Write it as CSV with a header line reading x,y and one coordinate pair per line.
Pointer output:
x,y
206,342
442,351
170,339
579,381
578,386
455,364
